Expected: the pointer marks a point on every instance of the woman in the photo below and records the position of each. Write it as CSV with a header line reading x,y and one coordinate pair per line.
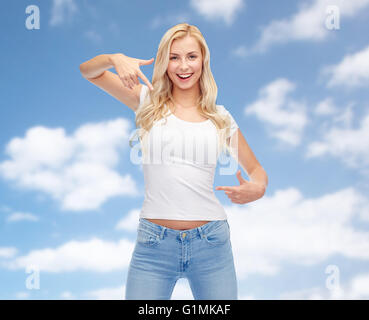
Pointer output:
x,y
183,229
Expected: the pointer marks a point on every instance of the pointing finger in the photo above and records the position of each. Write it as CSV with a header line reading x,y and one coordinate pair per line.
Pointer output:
x,y
225,188
143,77
145,62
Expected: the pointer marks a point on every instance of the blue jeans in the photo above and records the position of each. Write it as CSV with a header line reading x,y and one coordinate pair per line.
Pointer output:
x,y
162,255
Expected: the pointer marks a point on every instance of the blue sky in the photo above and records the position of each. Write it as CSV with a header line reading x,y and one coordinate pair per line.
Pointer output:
x,y
295,76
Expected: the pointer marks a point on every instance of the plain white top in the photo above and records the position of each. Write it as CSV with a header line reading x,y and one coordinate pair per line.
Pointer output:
x,y
179,167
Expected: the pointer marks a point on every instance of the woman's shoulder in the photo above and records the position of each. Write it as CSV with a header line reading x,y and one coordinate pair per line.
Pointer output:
x,y
144,92
224,112
143,95
221,109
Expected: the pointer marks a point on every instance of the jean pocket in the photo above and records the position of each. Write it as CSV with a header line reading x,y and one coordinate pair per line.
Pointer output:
x,y
147,238
218,236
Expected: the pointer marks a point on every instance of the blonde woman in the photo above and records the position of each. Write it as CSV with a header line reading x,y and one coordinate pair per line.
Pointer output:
x,y
183,230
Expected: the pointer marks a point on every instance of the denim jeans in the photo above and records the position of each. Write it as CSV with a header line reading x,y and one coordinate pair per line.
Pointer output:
x,y
162,255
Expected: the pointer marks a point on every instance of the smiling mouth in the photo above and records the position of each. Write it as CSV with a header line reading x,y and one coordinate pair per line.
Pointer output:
x,y
185,77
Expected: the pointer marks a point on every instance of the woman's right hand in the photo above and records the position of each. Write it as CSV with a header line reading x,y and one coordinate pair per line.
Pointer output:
x,y
128,69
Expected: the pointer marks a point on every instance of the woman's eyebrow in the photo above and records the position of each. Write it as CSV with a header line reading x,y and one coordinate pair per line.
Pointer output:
x,y
187,53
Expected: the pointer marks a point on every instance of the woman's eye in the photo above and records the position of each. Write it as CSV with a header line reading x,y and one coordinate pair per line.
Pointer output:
x,y
176,57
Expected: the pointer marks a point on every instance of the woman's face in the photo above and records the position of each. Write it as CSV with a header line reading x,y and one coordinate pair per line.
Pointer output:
x,y
185,58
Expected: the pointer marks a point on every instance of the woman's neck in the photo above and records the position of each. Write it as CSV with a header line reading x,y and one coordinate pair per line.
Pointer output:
x,y
186,98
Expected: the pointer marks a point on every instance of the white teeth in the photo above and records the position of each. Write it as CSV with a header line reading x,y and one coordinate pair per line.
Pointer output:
x,y
184,77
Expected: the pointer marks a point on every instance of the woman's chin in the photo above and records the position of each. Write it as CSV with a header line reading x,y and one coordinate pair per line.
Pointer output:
x,y
185,85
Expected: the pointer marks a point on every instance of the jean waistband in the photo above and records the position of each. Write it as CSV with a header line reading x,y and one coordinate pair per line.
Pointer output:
x,y
204,229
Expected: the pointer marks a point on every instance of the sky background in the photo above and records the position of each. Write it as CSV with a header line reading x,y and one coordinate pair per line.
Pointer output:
x,y
295,76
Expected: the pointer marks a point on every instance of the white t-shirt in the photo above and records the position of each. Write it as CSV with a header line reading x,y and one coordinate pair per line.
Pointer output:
x,y
179,167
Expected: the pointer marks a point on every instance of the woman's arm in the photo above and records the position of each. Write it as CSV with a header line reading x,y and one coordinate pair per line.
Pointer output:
x,y
124,86
248,161
247,191
96,66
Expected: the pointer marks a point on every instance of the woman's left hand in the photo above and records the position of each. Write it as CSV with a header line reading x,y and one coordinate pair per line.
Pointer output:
x,y
246,192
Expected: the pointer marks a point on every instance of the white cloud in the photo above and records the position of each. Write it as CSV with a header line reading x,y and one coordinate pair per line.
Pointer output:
x,y
62,10
181,291
107,293
246,297
286,117
352,71
8,252
315,293
67,295
357,288
129,222
77,170
333,115
218,9
307,24
22,295
288,228
348,144
326,107
345,117
22,216
92,255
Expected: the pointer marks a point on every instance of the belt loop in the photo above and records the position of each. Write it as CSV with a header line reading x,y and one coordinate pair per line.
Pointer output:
x,y
200,232
162,232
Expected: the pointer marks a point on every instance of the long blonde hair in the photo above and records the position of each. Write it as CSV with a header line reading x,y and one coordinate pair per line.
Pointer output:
x,y
156,107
